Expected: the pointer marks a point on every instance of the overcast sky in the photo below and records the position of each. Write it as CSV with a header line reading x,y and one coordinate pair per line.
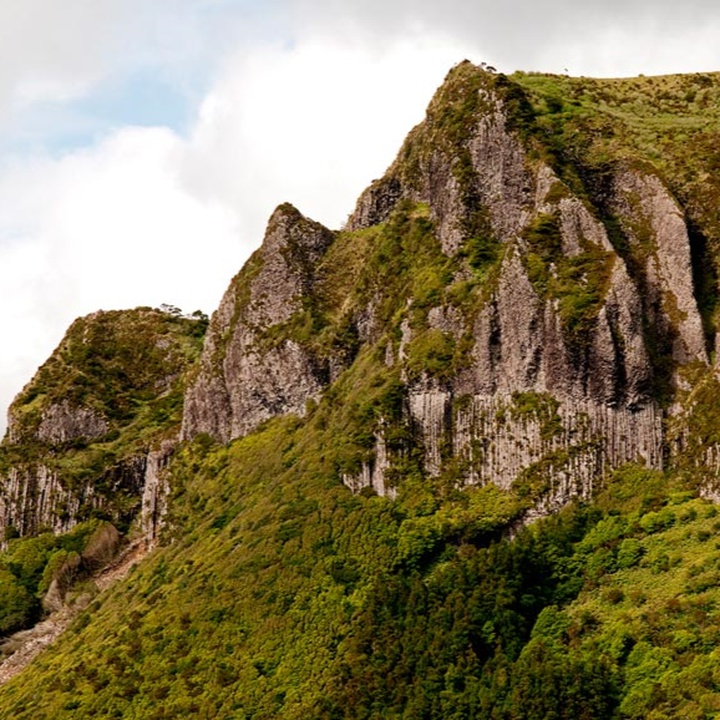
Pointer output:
x,y
144,143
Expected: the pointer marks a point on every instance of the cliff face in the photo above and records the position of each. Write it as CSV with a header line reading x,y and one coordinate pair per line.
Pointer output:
x,y
90,434
35,498
252,368
566,320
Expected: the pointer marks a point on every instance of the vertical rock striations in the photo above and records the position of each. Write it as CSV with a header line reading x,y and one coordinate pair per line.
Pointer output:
x,y
89,435
254,365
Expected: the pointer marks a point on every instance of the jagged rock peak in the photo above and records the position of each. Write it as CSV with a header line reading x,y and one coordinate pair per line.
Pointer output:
x,y
250,368
295,230
490,269
464,160
291,249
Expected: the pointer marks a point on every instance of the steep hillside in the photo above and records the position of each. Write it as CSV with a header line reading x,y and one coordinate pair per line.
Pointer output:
x,y
430,465
96,417
280,594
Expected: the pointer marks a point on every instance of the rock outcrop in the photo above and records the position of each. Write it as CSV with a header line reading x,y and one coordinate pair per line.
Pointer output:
x,y
252,368
658,237
90,435
35,499
62,423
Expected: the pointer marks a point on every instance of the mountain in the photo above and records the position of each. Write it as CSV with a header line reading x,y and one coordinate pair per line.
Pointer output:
x,y
455,459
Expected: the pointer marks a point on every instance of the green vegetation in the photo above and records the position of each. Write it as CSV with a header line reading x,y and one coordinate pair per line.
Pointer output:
x,y
30,565
124,368
431,352
114,363
281,595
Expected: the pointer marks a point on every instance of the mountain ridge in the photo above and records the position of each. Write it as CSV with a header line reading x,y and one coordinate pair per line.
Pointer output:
x,y
516,322
577,316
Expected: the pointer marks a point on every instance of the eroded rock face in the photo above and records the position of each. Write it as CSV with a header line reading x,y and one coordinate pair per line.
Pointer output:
x,y
504,182
525,408
521,346
490,175
602,381
251,368
62,423
33,498
155,492
655,225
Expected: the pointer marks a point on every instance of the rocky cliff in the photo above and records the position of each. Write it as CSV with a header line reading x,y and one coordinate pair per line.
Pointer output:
x,y
252,367
522,283
541,335
90,434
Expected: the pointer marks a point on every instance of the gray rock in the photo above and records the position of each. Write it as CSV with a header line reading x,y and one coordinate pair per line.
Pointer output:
x,y
246,376
655,226
62,422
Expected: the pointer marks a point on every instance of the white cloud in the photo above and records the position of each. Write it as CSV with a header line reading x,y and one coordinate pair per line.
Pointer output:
x,y
543,36
312,124
54,51
642,48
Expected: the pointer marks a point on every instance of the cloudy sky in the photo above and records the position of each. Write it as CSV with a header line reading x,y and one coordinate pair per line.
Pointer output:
x,y
144,143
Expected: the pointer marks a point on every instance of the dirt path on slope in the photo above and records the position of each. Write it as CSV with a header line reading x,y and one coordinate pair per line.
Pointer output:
x,y
26,645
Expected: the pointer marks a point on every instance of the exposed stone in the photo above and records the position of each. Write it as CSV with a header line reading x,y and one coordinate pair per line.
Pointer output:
x,y
245,376
580,228
33,498
655,225
372,473
62,422
155,493
375,204
504,181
